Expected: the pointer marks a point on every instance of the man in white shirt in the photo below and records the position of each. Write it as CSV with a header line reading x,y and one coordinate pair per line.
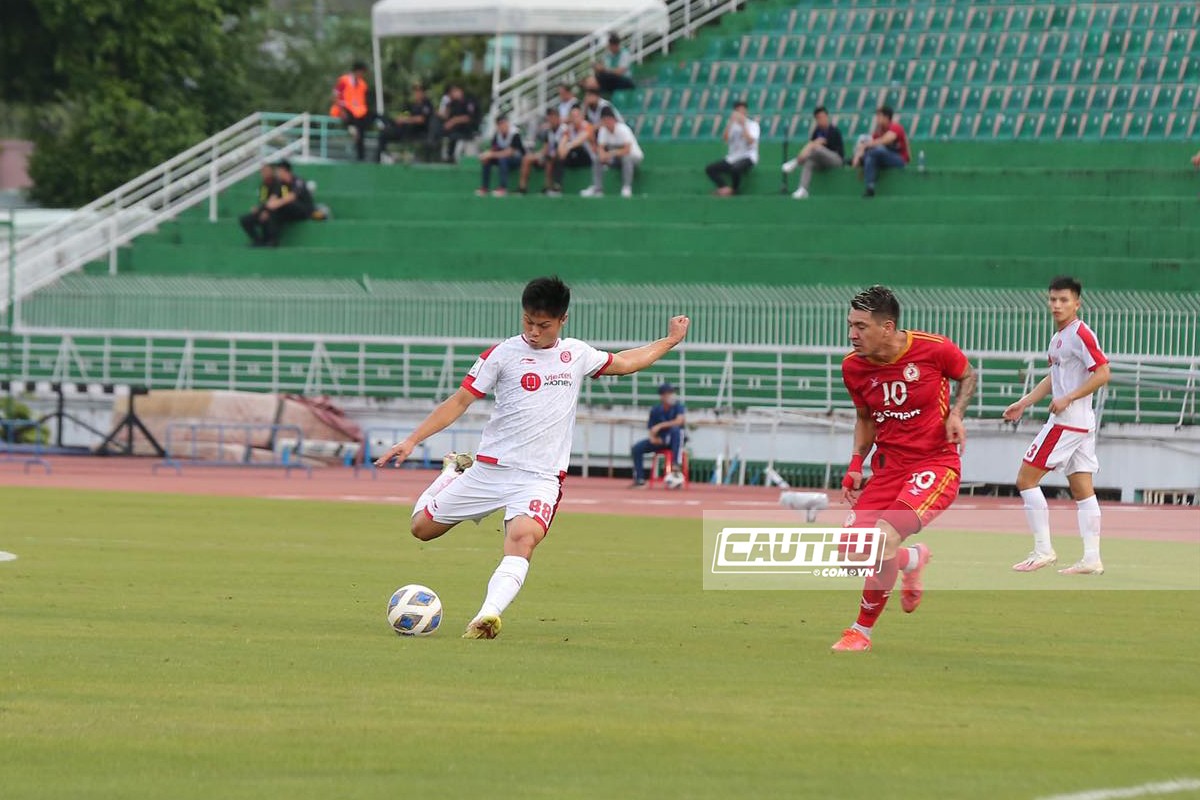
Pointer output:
x,y
525,449
741,135
1078,368
616,147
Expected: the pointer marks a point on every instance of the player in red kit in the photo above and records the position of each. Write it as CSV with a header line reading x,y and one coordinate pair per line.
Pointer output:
x,y
900,383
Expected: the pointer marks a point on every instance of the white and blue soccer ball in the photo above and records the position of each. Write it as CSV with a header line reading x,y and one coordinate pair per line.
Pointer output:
x,y
414,610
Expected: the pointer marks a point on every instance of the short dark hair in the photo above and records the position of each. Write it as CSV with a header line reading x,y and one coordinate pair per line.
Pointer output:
x,y
607,113
359,65
885,110
1066,282
613,39
547,295
554,110
740,104
820,110
879,301
566,86
283,163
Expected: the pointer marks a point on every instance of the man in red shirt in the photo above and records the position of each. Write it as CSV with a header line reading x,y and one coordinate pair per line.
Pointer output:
x,y
887,148
900,383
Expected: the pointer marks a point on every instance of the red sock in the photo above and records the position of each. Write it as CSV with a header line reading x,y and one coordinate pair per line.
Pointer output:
x,y
876,591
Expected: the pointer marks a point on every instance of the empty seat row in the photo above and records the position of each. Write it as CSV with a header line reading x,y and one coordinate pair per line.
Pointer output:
x,y
916,98
963,17
956,45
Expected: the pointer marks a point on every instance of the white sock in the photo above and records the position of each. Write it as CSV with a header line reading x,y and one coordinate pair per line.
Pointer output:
x,y
914,559
1088,513
1037,514
863,629
444,479
503,587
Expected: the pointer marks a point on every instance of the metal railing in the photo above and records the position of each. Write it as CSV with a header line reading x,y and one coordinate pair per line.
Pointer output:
x,y
725,378
197,174
526,94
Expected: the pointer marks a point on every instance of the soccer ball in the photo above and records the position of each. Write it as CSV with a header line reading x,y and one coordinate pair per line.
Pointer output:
x,y
673,480
414,610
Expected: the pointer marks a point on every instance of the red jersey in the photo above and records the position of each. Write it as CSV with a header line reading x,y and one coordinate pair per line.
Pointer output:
x,y
901,143
909,400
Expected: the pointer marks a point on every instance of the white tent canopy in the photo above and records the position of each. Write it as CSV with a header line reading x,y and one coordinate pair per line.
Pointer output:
x,y
395,18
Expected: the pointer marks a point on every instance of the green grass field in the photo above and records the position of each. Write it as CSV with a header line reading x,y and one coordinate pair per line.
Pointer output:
x,y
158,646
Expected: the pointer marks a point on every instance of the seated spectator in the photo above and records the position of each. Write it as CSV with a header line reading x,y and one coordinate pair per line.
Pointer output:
x,y
505,152
824,150
293,203
566,101
614,70
254,223
666,433
616,147
574,149
350,105
542,154
741,135
594,105
886,148
411,126
457,120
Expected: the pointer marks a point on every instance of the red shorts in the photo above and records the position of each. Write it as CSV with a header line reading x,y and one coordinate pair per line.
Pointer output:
x,y
926,491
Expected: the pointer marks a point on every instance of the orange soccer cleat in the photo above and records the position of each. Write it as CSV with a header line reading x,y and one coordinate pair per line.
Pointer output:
x,y
910,582
852,641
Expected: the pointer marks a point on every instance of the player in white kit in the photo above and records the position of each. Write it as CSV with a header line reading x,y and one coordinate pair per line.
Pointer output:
x,y
1078,368
526,445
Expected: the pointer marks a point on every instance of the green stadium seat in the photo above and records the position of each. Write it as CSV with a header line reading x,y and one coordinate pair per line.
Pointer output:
x,y
1122,98
1027,126
976,70
1143,16
713,101
964,125
1136,127
956,19
753,99
973,99
675,101
1113,126
951,45
1187,17
1017,96
1187,98
995,98
742,74
1175,42
1005,126
1078,101
1050,125
1120,17
1037,98
1059,16
870,47
1164,100
909,46
773,100
1194,47
948,98
1039,18
1082,70
989,45
1056,99
1157,127
1114,45
1148,69
987,125
1079,20
977,19
1025,73
1019,19
860,72
635,102
1101,18
851,99
725,48
859,21
1135,44
722,74
1101,99
1072,45
1191,72
839,73
762,74
1047,71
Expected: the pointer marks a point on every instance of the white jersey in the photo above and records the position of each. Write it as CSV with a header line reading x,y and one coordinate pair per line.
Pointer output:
x,y
1074,354
743,142
536,391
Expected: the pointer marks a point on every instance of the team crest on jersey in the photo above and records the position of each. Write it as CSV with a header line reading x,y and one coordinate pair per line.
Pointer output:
x,y
531,381
565,356
912,372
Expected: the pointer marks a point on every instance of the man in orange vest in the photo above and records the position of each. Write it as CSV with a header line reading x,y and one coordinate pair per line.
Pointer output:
x,y
350,106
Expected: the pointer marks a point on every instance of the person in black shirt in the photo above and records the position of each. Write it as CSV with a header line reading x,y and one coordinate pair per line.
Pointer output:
x,y
293,203
457,120
506,152
254,222
543,152
824,150
412,126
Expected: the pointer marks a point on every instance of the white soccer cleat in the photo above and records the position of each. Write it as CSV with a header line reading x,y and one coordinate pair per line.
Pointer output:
x,y
626,191
789,166
1083,568
800,194
1035,561
591,191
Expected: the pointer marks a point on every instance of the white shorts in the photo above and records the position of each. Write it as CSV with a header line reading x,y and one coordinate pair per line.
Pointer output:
x,y
1062,447
486,487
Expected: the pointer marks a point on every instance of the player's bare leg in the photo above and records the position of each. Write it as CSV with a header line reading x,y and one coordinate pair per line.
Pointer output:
x,y
423,525
521,535
1037,514
1088,514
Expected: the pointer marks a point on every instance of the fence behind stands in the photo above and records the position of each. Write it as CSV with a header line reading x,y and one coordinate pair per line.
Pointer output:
x,y
15,450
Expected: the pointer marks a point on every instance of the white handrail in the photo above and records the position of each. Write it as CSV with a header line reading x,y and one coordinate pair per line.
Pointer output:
x,y
197,174
526,94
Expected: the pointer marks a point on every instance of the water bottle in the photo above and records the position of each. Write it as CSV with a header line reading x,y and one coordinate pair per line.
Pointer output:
x,y
921,162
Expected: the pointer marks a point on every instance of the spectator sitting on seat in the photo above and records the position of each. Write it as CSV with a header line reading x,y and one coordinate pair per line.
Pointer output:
x,y
505,152
566,101
457,120
574,149
254,223
411,126
824,150
741,135
666,433
616,146
594,105
542,155
886,148
293,203
350,105
614,70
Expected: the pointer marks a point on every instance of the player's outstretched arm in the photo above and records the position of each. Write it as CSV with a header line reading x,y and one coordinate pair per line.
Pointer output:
x,y
1014,412
628,362
1100,376
439,419
956,432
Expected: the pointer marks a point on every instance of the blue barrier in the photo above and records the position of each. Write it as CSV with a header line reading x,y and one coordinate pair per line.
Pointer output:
x,y
377,441
14,452
183,445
